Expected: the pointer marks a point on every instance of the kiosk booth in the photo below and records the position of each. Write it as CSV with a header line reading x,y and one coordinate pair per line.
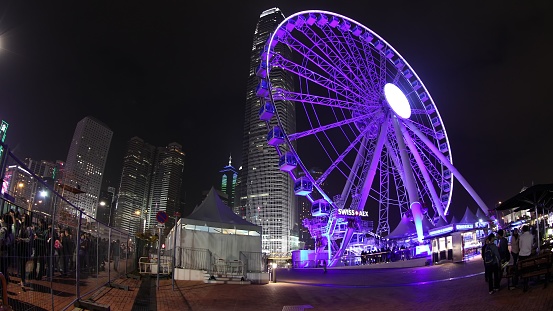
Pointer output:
x,y
454,242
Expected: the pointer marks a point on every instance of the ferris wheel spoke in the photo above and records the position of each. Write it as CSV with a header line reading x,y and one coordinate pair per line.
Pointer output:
x,y
324,81
296,136
342,54
282,94
341,157
339,82
330,46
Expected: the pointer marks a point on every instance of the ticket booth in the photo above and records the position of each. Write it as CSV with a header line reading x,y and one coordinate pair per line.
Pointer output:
x,y
452,242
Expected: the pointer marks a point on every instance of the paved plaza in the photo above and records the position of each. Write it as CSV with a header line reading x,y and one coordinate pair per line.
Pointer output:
x,y
448,286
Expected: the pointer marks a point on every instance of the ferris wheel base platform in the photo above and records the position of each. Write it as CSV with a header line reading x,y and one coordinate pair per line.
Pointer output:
x,y
411,263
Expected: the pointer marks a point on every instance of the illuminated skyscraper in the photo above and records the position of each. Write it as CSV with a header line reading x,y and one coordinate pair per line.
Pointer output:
x,y
151,181
228,183
166,187
134,187
266,194
86,160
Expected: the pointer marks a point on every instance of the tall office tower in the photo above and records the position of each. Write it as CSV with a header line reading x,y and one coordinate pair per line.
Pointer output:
x,y
267,194
134,187
166,186
86,160
228,183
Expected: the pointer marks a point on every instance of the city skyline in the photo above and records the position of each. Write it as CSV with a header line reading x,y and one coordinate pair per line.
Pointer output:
x,y
119,64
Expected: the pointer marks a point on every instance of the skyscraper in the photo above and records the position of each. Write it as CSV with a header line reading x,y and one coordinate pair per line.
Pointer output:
x,y
86,160
134,187
228,183
166,187
151,181
266,194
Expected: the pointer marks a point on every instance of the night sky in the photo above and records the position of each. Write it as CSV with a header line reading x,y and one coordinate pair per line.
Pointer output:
x,y
170,71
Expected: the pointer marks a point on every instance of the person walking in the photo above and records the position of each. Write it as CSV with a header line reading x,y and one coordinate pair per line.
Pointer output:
x,y
491,264
324,266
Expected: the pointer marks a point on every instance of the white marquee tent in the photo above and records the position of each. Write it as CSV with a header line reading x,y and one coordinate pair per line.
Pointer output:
x,y
213,228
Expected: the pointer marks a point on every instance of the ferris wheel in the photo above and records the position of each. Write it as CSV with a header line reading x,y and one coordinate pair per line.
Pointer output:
x,y
364,119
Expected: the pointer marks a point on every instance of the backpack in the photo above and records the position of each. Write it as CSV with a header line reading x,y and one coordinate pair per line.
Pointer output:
x,y
489,256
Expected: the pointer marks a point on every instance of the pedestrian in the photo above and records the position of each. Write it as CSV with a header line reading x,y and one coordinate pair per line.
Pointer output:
x,y
324,266
116,251
515,249
24,240
504,254
491,264
6,242
526,243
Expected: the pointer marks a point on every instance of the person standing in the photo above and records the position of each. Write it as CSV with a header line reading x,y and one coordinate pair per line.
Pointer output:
x,y
492,264
116,250
515,249
526,243
504,254
324,266
24,240
6,237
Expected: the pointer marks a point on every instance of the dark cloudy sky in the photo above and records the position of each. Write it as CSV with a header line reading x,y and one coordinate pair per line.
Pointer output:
x,y
175,71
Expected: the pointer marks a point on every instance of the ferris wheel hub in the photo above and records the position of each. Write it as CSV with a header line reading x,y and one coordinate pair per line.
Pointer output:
x,y
397,100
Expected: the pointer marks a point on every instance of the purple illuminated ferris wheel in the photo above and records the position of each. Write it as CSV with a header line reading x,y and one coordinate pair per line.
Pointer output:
x,y
365,119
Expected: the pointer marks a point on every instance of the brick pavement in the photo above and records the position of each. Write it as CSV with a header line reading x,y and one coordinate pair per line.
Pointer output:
x,y
450,286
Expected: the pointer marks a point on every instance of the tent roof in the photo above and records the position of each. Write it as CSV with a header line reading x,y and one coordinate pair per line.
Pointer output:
x,y
441,223
212,212
426,224
405,228
469,217
480,215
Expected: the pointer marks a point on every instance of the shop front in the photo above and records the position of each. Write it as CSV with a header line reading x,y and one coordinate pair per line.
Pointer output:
x,y
454,242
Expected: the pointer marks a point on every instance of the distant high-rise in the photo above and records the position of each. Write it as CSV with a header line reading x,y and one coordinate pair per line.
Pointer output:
x,y
86,160
229,176
166,187
134,187
266,194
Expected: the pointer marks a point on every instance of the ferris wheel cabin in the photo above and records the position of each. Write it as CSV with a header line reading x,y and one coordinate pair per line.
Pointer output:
x,y
303,186
267,111
275,136
287,162
320,208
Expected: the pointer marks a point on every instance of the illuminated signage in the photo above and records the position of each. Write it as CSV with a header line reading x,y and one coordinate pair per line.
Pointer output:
x,y
464,226
350,212
440,230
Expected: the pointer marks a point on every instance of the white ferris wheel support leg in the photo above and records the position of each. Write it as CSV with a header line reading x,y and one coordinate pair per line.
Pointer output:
x,y
450,166
422,167
409,181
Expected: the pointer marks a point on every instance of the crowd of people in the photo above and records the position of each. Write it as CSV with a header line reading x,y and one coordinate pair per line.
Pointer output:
x,y
498,254
40,250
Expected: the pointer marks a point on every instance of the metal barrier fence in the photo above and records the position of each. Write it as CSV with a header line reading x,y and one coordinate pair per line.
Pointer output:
x,y
194,259
60,257
254,262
